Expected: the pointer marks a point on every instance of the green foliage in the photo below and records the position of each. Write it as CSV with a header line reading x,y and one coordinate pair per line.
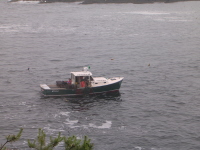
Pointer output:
x,y
11,138
72,143
40,142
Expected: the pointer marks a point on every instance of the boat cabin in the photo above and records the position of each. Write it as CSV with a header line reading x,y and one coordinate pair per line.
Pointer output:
x,y
81,79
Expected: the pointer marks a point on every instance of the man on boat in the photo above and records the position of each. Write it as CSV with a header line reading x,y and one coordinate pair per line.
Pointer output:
x,y
69,82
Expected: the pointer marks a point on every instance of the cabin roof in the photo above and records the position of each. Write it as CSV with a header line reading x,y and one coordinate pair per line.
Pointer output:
x,y
82,73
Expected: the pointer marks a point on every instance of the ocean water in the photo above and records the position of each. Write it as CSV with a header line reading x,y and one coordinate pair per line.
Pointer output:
x,y
155,47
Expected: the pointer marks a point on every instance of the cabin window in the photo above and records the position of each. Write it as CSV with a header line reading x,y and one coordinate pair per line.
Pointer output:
x,y
77,80
91,78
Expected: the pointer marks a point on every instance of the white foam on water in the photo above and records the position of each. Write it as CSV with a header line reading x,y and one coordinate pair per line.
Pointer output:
x,y
138,148
28,2
106,125
49,129
71,123
13,28
64,113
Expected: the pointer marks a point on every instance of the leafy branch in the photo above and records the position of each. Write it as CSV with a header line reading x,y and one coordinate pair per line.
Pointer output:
x,y
40,142
11,138
71,143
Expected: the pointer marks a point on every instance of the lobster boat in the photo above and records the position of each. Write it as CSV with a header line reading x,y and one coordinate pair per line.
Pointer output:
x,y
82,83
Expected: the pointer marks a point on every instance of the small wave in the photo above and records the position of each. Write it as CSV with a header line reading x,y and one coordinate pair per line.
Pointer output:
x,y
65,113
22,103
53,130
71,123
148,13
138,148
24,2
179,20
55,60
106,125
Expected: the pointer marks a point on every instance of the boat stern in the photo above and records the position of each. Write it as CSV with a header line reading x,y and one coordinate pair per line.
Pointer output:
x,y
44,89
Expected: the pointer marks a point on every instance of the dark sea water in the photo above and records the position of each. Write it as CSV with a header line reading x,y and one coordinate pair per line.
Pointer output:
x,y
155,47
